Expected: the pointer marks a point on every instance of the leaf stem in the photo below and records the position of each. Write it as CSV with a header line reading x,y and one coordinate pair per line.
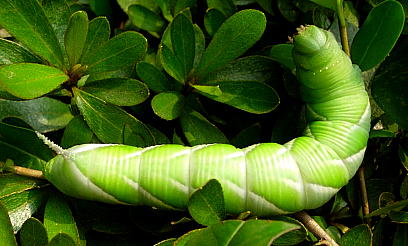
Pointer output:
x,y
315,228
343,27
363,188
28,172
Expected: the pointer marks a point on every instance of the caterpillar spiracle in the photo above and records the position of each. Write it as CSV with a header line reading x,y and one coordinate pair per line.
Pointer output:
x,y
265,178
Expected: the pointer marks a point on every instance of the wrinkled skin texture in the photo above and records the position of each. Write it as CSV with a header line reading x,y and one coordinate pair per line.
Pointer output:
x,y
265,178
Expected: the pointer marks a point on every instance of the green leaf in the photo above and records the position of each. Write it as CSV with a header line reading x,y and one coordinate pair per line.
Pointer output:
x,y
108,121
30,153
330,4
213,19
118,91
266,5
183,240
227,7
171,64
382,134
11,52
378,35
6,230
42,114
237,34
206,205
75,36
152,5
11,184
167,242
123,50
145,19
166,7
183,41
98,34
62,239
182,5
389,86
250,96
21,206
168,105
58,13
359,235
77,132
27,22
248,136
58,219
288,10
395,206
235,232
282,53
198,130
30,80
33,233
155,79
250,68
399,216
199,45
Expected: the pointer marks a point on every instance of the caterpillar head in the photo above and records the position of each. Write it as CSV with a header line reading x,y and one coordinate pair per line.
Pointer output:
x,y
318,57
309,40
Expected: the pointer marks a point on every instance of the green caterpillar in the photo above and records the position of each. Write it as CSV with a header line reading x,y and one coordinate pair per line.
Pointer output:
x,y
265,178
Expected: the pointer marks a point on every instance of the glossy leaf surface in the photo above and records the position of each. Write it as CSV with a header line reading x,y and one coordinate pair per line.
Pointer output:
x,y
58,13
145,19
33,233
155,79
42,114
183,42
98,33
123,50
27,21
240,94
108,122
11,52
30,80
233,38
22,205
206,205
378,34
58,219
213,19
198,130
250,68
168,105
6,230
75,36
118,91
234,232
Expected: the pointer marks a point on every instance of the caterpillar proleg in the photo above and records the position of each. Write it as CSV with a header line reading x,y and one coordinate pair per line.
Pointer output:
x,y
265,178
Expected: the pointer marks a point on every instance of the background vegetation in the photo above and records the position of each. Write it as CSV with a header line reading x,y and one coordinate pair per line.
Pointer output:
x,y
145,75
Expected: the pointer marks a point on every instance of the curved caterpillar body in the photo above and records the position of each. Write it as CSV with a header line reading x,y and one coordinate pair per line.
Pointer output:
x,y
265,178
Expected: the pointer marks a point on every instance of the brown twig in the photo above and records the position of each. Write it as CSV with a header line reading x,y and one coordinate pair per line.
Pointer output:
x,y
23,171
314,228
363,188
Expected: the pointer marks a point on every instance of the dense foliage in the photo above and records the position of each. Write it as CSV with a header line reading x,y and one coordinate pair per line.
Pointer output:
x,y
190,72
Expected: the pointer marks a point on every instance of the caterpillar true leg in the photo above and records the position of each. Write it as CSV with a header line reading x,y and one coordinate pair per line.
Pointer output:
x,y
265,178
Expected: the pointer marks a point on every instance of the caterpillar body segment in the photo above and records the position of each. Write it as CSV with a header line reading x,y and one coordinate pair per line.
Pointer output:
x,y
265,178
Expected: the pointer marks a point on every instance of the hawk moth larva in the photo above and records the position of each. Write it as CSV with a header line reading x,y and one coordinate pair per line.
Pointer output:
x,y
265,178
